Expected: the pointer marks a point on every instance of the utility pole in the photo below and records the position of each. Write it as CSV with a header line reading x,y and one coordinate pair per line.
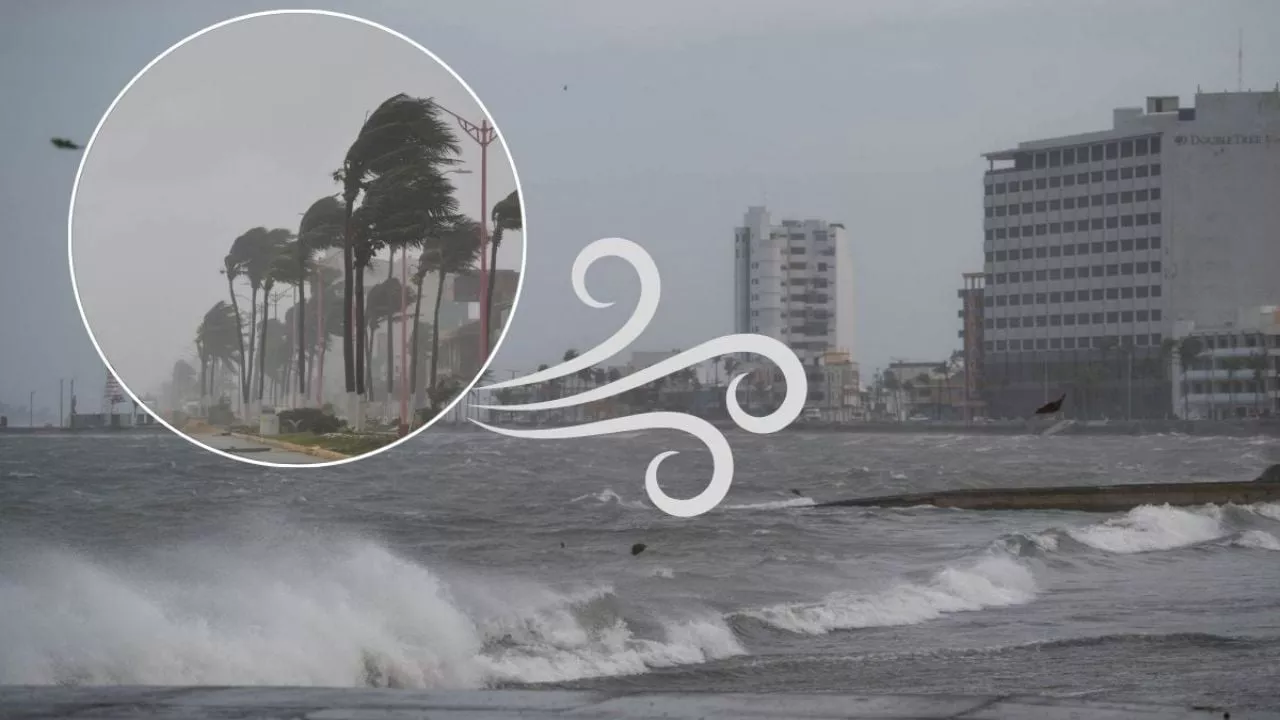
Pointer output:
x,y
61,397
31,409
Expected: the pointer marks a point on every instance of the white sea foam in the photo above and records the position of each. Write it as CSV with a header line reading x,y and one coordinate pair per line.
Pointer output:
x,y
1257,539
1151,528
773,504
992,580
329,613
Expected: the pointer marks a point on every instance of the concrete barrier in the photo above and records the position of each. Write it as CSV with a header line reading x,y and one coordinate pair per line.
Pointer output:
x,y
1105,498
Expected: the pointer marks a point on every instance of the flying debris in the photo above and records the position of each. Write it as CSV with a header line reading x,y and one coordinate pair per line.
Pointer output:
x,y
1051,407
64,144
797,493
637,548
566,87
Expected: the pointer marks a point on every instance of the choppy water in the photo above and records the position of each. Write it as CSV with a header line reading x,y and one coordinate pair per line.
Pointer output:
x,y
470,560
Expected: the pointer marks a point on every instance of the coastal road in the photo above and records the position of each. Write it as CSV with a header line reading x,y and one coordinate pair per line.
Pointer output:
x,y
256,450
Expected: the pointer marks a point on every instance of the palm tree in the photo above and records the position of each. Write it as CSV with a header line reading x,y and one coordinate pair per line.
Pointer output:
x,y
232,268
277,266
452,252
506,216
401,132
893,385
321,228
218,338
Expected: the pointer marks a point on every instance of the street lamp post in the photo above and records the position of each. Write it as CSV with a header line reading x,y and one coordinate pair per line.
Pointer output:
x,y
31,409
484,134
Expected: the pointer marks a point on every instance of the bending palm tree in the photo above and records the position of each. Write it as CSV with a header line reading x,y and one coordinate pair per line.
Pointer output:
x,y
506,216
320,229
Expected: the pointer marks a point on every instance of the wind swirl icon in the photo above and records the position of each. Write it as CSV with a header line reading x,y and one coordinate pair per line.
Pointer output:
x,y
650,293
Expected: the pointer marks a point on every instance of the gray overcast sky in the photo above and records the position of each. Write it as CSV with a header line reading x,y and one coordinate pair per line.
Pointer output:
x,y
678,115
240,127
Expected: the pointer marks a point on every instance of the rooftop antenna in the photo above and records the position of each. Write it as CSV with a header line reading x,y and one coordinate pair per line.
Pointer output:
x,y
1240,62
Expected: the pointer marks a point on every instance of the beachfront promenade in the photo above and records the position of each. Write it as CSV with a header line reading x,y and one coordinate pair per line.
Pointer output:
x,y
251,703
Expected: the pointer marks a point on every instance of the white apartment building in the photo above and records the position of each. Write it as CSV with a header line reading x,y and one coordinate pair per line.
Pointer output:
x,y
793,281
1235,371
1101,241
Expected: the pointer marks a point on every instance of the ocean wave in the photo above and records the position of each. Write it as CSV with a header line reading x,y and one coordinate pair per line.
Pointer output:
x,y
608,496
773,504
991,580
321,613
1257,539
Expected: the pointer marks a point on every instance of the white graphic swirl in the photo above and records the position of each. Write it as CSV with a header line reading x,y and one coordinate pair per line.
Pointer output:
x,y
721,454
650,292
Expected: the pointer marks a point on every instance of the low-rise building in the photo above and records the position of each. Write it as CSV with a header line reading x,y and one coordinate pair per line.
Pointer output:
x,y
1230,370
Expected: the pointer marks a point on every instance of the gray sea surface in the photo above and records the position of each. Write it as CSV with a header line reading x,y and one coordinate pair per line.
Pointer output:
x,y
465,559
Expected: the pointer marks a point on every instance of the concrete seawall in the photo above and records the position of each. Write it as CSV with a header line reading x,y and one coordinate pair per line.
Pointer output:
x,y
1105,498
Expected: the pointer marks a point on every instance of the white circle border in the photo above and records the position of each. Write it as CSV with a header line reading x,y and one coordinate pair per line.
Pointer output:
x,y
524,254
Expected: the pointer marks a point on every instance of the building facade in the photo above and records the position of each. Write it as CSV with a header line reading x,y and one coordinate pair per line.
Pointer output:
x,y
793,281
1231,370
1096,244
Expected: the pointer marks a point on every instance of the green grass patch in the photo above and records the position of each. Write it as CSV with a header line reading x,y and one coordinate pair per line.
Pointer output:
x,y
345,443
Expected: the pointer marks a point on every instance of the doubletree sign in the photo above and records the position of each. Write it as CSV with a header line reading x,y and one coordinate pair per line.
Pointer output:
x,y
1221,140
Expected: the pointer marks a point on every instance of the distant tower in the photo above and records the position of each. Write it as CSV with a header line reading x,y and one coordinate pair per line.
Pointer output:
x,y
112,394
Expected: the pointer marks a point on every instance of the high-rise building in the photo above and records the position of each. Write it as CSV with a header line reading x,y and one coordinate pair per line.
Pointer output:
x,y
1096,244
793,281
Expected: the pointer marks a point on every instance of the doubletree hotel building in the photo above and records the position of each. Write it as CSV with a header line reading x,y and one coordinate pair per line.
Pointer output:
x,y
1097,245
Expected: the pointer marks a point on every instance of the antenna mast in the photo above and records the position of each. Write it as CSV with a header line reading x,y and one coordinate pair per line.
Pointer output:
x,y
1240,62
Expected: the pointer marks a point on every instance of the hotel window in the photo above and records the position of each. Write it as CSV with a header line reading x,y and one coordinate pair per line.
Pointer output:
x,y
1098,318
1155,193
1142,339
1097,200
1055,181
1095,176
1095,153
1126,268
1001,233
1141,291
1113,149
1155,315
1026,276
1027,253
1113,293
1055,251
1001,300
1113,222
1126,148
999,345
1068,296
1126,221
1082,178
1095,224
1082,318
999,188
1068,319
1126,316
1112,176
1140,195
1055,274
1155,266
1140,146
1126,293
1112,198
1042,320
1028,208
1042,206
1041,160
1026,186
1055,343
1042,252
1142,315
1042,298
1069,203
1068,226
1069,156
1155,243
1040,343
1055,297
1126,173
1155,291
1155,169
1069,343
1155,218
1042,229
1082,248
1097,271
1113,270
1095,294
1015,299
1097,247
1140,219
1113,317
1041,183
1068,273
1026,298
1015,322
1142,268
1055,204
1055,158
1126,196
1140,171
1155,145
1068,180
1113,246
1002,255
1041,276
1140,243
1126,245
1014,231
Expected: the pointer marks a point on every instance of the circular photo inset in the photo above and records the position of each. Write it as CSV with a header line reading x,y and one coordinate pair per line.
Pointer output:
x,y
296,238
